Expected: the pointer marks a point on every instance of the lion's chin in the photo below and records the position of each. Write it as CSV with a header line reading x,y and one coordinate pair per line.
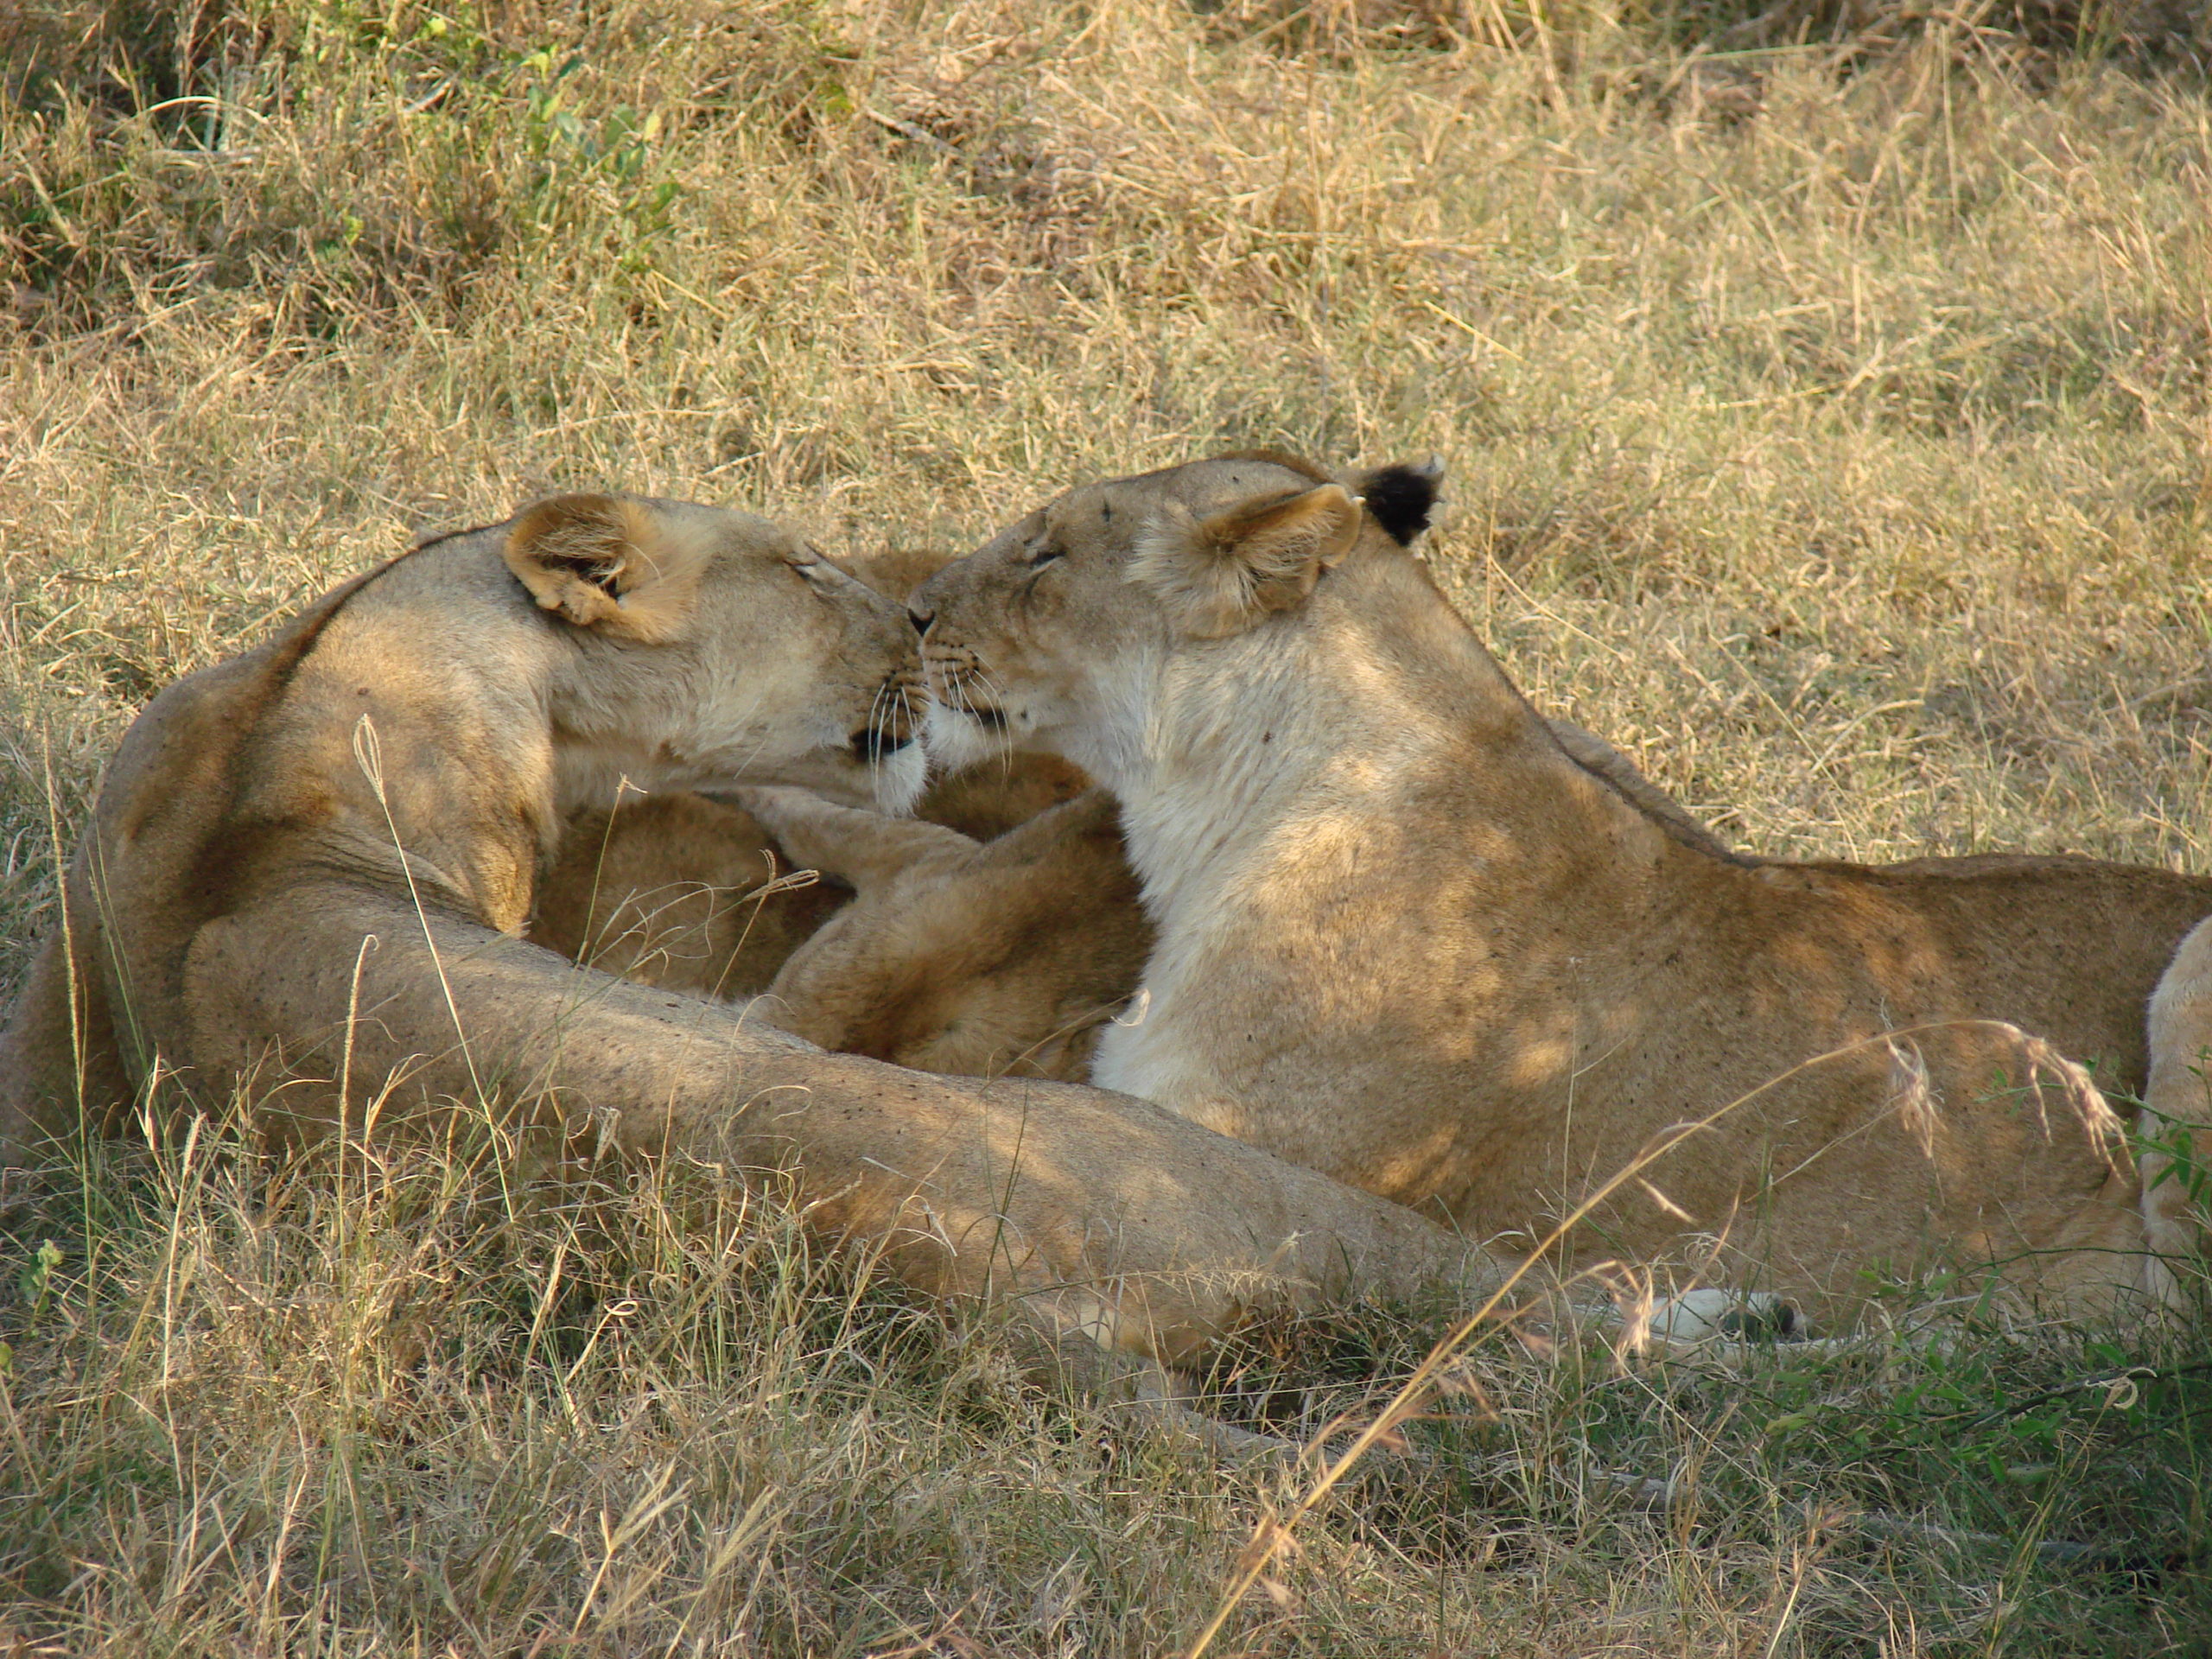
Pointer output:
x,y
957,740
900,778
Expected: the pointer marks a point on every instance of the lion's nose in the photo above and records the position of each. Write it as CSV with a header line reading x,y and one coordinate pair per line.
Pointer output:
x,y
920,616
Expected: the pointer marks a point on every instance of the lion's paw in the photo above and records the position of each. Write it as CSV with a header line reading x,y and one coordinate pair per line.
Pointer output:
x,y
1728,1315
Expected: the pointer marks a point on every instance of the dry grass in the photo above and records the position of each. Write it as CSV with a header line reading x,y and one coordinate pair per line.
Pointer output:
x,y
1841,443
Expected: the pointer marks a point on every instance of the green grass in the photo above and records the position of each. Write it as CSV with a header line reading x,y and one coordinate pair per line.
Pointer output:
x,y
1832,428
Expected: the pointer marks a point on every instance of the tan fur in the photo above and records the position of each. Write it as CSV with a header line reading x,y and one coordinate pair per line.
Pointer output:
x,y
985,801
1601,759
1217,574
1007,956
981,959
613,564
679,890
308,867
895,572
688,893
1405,939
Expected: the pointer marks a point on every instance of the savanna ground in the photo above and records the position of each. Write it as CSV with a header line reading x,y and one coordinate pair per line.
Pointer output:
x,y
1829,397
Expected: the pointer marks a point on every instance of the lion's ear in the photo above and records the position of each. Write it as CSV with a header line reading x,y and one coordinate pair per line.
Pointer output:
x,y
604,562
1221,575
1402,499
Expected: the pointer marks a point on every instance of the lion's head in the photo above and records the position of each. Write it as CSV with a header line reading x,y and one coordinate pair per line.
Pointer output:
x,y
737,651
1044,635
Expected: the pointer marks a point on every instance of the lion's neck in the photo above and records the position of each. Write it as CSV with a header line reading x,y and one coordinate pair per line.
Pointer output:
x,y
448,789
1242,762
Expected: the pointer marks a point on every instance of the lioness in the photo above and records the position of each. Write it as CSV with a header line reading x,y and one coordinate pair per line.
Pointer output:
x,y
1404,939
308,867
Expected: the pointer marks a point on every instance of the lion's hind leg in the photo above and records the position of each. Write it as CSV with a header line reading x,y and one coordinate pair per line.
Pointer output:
x,y
2176,1122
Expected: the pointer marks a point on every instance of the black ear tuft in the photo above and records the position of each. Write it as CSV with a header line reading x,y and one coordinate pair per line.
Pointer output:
x,y
1399,499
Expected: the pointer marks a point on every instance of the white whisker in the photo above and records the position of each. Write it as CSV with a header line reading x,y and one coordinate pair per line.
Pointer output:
x,y
873,743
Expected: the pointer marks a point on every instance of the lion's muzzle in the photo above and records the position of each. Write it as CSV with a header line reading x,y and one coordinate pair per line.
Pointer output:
x,y
892,723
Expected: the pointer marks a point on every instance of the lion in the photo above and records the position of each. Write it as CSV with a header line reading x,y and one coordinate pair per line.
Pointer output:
x,y
1406,939
2177,1125
689,892
308,867
686,890
679,889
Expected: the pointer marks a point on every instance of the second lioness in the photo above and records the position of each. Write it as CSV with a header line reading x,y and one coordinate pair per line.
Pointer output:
x,y
1404,939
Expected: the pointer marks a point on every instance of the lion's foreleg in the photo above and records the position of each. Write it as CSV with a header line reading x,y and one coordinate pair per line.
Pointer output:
x,y
865,849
